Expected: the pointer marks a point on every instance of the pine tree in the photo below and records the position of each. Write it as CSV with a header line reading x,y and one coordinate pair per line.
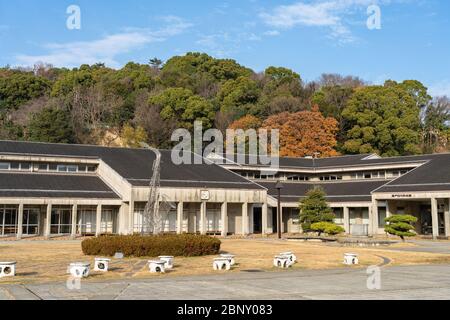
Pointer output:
x,y
400,225
314,208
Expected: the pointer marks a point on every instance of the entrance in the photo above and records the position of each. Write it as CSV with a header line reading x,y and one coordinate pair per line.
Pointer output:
x,y
30,225
257,220
61,220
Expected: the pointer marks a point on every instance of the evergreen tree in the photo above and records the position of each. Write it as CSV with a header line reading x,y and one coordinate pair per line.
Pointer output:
x,y
400,225
314,208
51,125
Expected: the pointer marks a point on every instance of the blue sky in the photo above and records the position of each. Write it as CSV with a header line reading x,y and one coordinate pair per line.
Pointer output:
x,y
311,37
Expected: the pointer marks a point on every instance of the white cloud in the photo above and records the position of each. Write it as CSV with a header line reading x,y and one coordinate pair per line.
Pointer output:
x,y
105,49
330,14
224,44
272,33
441,88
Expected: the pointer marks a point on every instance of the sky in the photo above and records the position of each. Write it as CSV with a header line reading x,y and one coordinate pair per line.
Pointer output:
x,y
412,40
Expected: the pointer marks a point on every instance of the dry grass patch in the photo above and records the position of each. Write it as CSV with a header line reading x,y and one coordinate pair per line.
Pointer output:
x,y
48,261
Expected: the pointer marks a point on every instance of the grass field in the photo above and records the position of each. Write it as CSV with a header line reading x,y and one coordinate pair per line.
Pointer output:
x,y
47,261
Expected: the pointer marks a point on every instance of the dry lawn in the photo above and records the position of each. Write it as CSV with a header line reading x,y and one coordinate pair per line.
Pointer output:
x,y
48,261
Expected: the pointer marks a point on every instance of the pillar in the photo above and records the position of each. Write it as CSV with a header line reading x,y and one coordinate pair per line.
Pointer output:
x,y
265,218
203,218
347,220
434,217
74,221
98,222
245,219
20,222
131,218
251,219
447,217
224,218
48,220
180,206
374,218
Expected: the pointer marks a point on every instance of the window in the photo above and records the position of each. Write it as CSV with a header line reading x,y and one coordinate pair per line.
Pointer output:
x,y
4,165
15,166
381,217
92,168
67,168
43,167
25,166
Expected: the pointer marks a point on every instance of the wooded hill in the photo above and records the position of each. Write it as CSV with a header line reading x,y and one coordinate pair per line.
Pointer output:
x,y
333,115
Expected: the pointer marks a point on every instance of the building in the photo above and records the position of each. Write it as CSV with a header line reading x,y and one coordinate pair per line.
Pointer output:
x,y
57,189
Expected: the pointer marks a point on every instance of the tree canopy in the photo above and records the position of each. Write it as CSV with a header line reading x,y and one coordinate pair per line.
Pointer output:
x,y
397,118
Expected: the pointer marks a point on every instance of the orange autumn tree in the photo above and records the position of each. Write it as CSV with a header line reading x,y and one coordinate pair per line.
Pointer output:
x,y
304,133
247,122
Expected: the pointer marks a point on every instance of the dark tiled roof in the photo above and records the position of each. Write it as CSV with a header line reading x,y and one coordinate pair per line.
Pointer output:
x,y
33,185
336,191
135,165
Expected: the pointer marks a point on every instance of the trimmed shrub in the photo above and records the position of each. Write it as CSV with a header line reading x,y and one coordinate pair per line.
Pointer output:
x,y
400,225
327,227
186,245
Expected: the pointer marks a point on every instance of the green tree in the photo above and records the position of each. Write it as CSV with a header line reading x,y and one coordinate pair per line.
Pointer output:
x,y
183,106
314,208
239,97
51,125
400,225
19,87
327,227
383,120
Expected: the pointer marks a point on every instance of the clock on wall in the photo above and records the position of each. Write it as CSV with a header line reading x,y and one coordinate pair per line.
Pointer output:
x,y
204,195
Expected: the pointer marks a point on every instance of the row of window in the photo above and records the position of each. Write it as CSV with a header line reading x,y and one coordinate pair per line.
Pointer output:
x,y
52,167
329,177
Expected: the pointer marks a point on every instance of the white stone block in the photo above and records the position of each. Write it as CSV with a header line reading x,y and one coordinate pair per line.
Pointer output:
x,y
8,269
80,269
101,264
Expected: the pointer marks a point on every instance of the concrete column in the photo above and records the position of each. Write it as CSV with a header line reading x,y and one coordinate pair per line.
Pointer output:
x,y
374,217
388,209
180,206
434,217
48,220
98,222
447,217
131,218
20,222
347,220
245,219
203,218
264,221
224,218
281,226
74,221
251,221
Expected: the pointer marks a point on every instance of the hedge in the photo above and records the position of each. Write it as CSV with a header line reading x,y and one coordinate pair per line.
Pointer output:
x,y
187,245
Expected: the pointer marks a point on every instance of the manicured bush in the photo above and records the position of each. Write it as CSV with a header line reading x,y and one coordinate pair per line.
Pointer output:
x,y
327,227
152,246
400,225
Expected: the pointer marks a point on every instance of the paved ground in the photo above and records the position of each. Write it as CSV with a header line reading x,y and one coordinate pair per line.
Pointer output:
x,y
406,282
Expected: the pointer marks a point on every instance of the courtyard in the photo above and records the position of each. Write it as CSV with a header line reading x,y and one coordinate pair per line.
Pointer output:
x,y
47,261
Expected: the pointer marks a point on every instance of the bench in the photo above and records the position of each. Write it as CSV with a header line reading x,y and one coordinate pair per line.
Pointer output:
x,y
80,269
157,266
101,264
282,261
168,261
351,259
221,263
8,269
230,258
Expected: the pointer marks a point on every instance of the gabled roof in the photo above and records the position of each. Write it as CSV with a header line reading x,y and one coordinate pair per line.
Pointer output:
x,y
35,185
336,191
135,165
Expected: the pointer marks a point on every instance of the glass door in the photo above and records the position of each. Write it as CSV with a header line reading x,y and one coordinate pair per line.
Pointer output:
x,y
61,221
31,221
8,221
